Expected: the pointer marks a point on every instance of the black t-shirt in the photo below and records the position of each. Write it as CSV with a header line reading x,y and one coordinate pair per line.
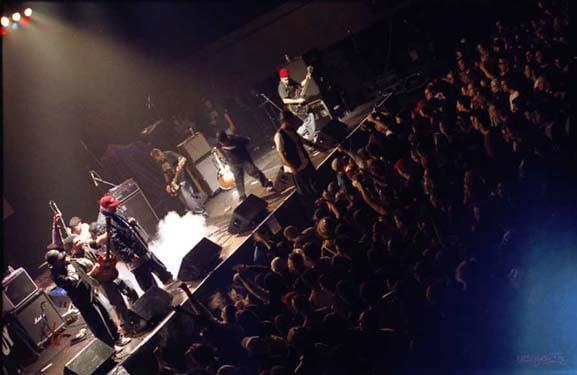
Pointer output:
x,y
235,151
289,90
214,119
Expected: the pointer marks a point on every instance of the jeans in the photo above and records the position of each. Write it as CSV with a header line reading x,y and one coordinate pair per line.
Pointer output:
x,y
114,296
308,129
191,199
143,273
98,320
252,170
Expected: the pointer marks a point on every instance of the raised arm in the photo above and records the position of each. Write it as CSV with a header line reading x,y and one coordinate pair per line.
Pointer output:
x,y
253,288
56,230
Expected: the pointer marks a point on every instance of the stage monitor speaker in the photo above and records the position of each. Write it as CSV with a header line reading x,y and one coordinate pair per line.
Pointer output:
x,y
332,134
195,147
95,358
248,214
208,170
153,305
17,287
199,261
30,315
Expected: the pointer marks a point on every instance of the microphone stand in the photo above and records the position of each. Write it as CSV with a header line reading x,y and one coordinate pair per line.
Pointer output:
x,y
267,110
267,100
98,179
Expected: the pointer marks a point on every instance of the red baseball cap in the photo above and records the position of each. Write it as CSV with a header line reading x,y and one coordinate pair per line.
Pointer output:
x,y
283,73
108,201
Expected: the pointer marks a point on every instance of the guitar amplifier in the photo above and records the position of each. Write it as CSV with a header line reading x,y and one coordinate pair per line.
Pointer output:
x,y
194,147
133,203
207,168
29,316
17,287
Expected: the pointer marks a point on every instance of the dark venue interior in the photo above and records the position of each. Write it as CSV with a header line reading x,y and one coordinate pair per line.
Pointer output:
x,y
408,205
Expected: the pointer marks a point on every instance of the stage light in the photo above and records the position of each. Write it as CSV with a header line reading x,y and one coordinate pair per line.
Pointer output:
x,y
27,12
5,21
3,31
14,26
25,21
16,17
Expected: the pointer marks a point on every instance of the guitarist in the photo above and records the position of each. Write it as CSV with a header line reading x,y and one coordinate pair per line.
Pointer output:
x,y
79,251
130,247
291,94
68,275
177,181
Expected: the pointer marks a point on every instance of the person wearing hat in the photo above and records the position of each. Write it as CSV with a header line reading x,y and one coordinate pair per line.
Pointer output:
x,y
235,151
130,247
73,277
288,90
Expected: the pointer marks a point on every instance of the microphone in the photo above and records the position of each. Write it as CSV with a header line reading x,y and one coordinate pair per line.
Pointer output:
x,y
93,176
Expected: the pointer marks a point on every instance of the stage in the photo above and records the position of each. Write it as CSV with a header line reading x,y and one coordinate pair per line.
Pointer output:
x,y
220,208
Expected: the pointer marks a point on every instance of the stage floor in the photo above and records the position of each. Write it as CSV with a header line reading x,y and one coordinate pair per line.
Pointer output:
x,y
220,208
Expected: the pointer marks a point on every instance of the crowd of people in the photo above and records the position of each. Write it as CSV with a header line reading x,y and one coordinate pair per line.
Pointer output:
x,y
414,256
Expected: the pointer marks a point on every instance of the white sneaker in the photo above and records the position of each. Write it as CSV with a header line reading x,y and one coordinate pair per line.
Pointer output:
x,y
122,341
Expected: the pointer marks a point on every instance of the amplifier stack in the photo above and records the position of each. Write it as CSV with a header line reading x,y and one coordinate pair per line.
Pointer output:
x,y
198,151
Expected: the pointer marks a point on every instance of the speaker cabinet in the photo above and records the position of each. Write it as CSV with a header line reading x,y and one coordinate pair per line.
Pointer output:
x,y
133,203
153,305
95,358
332,134
248,214
138,207
206,167
17,287
199,261
30,316
195,147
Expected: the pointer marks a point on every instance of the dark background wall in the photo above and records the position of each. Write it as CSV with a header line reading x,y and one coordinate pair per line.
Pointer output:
x,y
80,74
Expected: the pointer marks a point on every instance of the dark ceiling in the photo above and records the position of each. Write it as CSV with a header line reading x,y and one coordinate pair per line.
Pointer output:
x,y
172,29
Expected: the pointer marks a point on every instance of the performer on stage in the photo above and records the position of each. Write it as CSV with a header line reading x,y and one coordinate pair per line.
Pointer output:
x,y
77,248
80,228
217,119
290,93
73,275
130,247
294,157
234,150
177,181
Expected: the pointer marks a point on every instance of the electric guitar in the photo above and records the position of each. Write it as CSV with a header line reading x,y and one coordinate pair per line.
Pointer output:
x,y
301,92
173,187
107,270
224,175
